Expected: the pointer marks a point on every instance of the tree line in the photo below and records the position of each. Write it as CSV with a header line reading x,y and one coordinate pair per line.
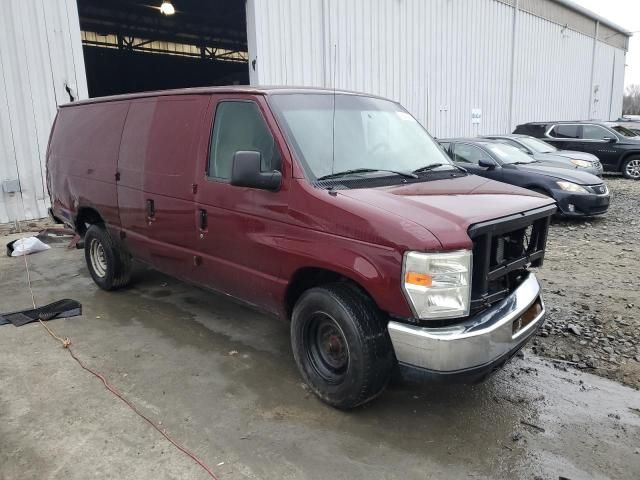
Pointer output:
x,y
631,100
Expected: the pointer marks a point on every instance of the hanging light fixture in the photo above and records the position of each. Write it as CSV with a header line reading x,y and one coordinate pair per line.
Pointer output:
x,y
167,8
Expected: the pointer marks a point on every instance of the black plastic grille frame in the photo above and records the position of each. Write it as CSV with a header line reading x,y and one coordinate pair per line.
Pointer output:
x,y
503,250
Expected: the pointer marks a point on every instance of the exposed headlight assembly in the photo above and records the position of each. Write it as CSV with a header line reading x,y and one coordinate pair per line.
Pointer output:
x,y
581,163
438,285
571,187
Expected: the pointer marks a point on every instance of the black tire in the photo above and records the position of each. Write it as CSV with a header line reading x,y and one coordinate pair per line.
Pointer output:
x,y
631,168
341,345
109,266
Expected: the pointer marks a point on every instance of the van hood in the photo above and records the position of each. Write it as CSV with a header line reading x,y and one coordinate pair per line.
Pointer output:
x,y
561,172
448,207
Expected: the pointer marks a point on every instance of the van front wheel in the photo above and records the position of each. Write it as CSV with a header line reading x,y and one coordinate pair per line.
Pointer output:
x,y
109,266
341,345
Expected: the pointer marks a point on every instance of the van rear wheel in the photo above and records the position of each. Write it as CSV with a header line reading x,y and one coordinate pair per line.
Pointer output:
x,y
341,345
109,266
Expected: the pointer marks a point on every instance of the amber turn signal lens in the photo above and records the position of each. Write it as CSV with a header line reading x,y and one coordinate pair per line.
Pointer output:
x,y
420,279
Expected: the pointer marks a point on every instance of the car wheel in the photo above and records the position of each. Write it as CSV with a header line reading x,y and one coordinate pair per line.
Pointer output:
x,y
109,266
341,345
631,168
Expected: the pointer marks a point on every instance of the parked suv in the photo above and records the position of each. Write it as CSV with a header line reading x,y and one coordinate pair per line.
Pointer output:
x,y
617,152
577,193
334,210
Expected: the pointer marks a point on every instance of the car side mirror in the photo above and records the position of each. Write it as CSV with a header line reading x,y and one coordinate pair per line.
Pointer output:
x,y
610,139
245,172
487,163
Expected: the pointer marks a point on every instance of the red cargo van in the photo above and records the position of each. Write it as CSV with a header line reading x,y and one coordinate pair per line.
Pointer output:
x,y
334,210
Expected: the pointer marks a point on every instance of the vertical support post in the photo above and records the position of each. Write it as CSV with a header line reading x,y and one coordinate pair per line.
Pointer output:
x,y
593,67
514,35
613,78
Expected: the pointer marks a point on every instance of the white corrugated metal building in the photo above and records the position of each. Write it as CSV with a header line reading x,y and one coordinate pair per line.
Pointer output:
x,y
505,61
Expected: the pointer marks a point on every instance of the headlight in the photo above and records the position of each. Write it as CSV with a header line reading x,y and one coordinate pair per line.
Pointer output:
x,y
571,187
581,163
438,285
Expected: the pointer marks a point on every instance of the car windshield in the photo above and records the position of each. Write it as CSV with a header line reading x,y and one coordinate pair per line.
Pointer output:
x,y
509,154
366,134
624,131
537,145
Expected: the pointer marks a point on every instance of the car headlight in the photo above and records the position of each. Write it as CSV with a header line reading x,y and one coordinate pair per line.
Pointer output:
x,y
438,285
581,163
571,187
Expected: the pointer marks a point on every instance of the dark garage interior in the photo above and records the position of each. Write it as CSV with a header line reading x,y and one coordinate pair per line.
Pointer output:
x,y
132,46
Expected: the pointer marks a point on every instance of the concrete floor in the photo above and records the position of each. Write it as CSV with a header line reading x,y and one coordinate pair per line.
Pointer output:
x,y
221,379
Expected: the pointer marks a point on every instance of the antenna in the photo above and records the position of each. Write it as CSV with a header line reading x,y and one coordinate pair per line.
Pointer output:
x,y
333,119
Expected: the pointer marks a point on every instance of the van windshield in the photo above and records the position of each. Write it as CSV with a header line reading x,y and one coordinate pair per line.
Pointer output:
x,y
370,135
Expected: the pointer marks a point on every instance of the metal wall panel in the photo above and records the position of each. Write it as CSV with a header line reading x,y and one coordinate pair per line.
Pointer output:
x,y
40,53
440,58
552,77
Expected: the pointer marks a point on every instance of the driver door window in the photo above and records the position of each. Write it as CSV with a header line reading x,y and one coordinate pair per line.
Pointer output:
x,y
467,154
239,125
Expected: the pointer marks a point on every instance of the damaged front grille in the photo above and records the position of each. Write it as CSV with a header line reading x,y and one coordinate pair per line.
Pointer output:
x,y
503,249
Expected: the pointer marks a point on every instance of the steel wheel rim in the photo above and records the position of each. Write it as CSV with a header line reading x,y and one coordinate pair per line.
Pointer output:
x,y
633,168
98,258
326,348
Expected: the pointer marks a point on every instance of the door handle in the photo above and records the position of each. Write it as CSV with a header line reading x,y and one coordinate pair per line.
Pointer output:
x,y
151,209
202,218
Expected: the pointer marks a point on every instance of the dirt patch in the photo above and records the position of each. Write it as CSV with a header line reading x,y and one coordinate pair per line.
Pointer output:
x,y
591,280
26,226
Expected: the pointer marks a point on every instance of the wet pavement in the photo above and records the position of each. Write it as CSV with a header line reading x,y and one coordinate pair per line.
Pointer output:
x,y
220,378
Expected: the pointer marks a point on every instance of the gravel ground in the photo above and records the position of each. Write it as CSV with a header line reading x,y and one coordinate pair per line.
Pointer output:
x,y
591,279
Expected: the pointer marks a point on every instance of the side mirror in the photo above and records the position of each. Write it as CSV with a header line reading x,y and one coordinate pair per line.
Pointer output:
x,y
246,172
487,163
610,139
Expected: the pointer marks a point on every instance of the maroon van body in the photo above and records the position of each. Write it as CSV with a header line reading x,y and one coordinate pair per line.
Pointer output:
x,y
137,164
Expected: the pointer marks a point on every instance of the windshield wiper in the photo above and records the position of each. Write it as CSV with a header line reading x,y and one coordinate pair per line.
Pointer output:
x,y
365,170
428,168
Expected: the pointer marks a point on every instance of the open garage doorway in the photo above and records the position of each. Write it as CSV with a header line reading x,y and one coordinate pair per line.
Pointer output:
x,y
142,45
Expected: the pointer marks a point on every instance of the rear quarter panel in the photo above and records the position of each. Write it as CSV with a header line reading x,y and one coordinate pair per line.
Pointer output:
x,y
83,156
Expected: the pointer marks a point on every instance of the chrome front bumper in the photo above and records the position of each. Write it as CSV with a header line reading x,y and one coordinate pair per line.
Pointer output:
x,y
478,342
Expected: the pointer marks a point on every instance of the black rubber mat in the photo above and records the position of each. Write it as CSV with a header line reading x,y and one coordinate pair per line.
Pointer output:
x,y
60,309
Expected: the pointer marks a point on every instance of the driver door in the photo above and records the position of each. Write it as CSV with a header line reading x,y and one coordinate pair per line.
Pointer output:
x,y
238,227
596,140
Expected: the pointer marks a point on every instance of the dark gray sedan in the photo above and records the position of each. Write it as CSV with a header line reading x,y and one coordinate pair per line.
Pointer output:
x,y
541,150
576,192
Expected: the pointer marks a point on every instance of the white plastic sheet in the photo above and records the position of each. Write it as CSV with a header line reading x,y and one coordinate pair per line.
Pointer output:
x,y
27,246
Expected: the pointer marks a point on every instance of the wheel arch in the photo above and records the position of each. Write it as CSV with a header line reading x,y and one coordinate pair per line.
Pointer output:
x,y
309,277
87,215
625,157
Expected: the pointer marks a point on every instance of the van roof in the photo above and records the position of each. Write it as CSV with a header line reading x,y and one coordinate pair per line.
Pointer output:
x,y
255,90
